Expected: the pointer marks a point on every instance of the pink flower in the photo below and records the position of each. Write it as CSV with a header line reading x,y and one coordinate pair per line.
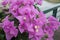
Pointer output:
x,y
30,20
50,26
32,25
5,2
13,9
9,29
54,23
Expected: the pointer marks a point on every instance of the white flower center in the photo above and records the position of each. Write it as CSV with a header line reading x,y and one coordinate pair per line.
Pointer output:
x,y
36,28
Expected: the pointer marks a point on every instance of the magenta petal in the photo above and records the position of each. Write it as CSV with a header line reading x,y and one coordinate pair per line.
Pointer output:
x,y
21,29
40,33
8,37
30,28
30,35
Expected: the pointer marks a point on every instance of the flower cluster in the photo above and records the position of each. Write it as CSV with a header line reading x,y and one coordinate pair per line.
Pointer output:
x,y
30,20
22,2
9,29
51,25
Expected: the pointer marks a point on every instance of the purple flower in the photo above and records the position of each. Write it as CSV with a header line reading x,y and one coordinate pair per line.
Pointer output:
x,y
9,29
18,7
5,2
34,28
49,32
50,26
13,9
25,2
30,20
32,24
53,22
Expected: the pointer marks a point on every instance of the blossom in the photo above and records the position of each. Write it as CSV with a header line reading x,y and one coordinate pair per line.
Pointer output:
x,y
13,9
31,20
35,31
54,23
17,7
48,31
50,26
27,13
5,2
32,25
24,2
9,29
